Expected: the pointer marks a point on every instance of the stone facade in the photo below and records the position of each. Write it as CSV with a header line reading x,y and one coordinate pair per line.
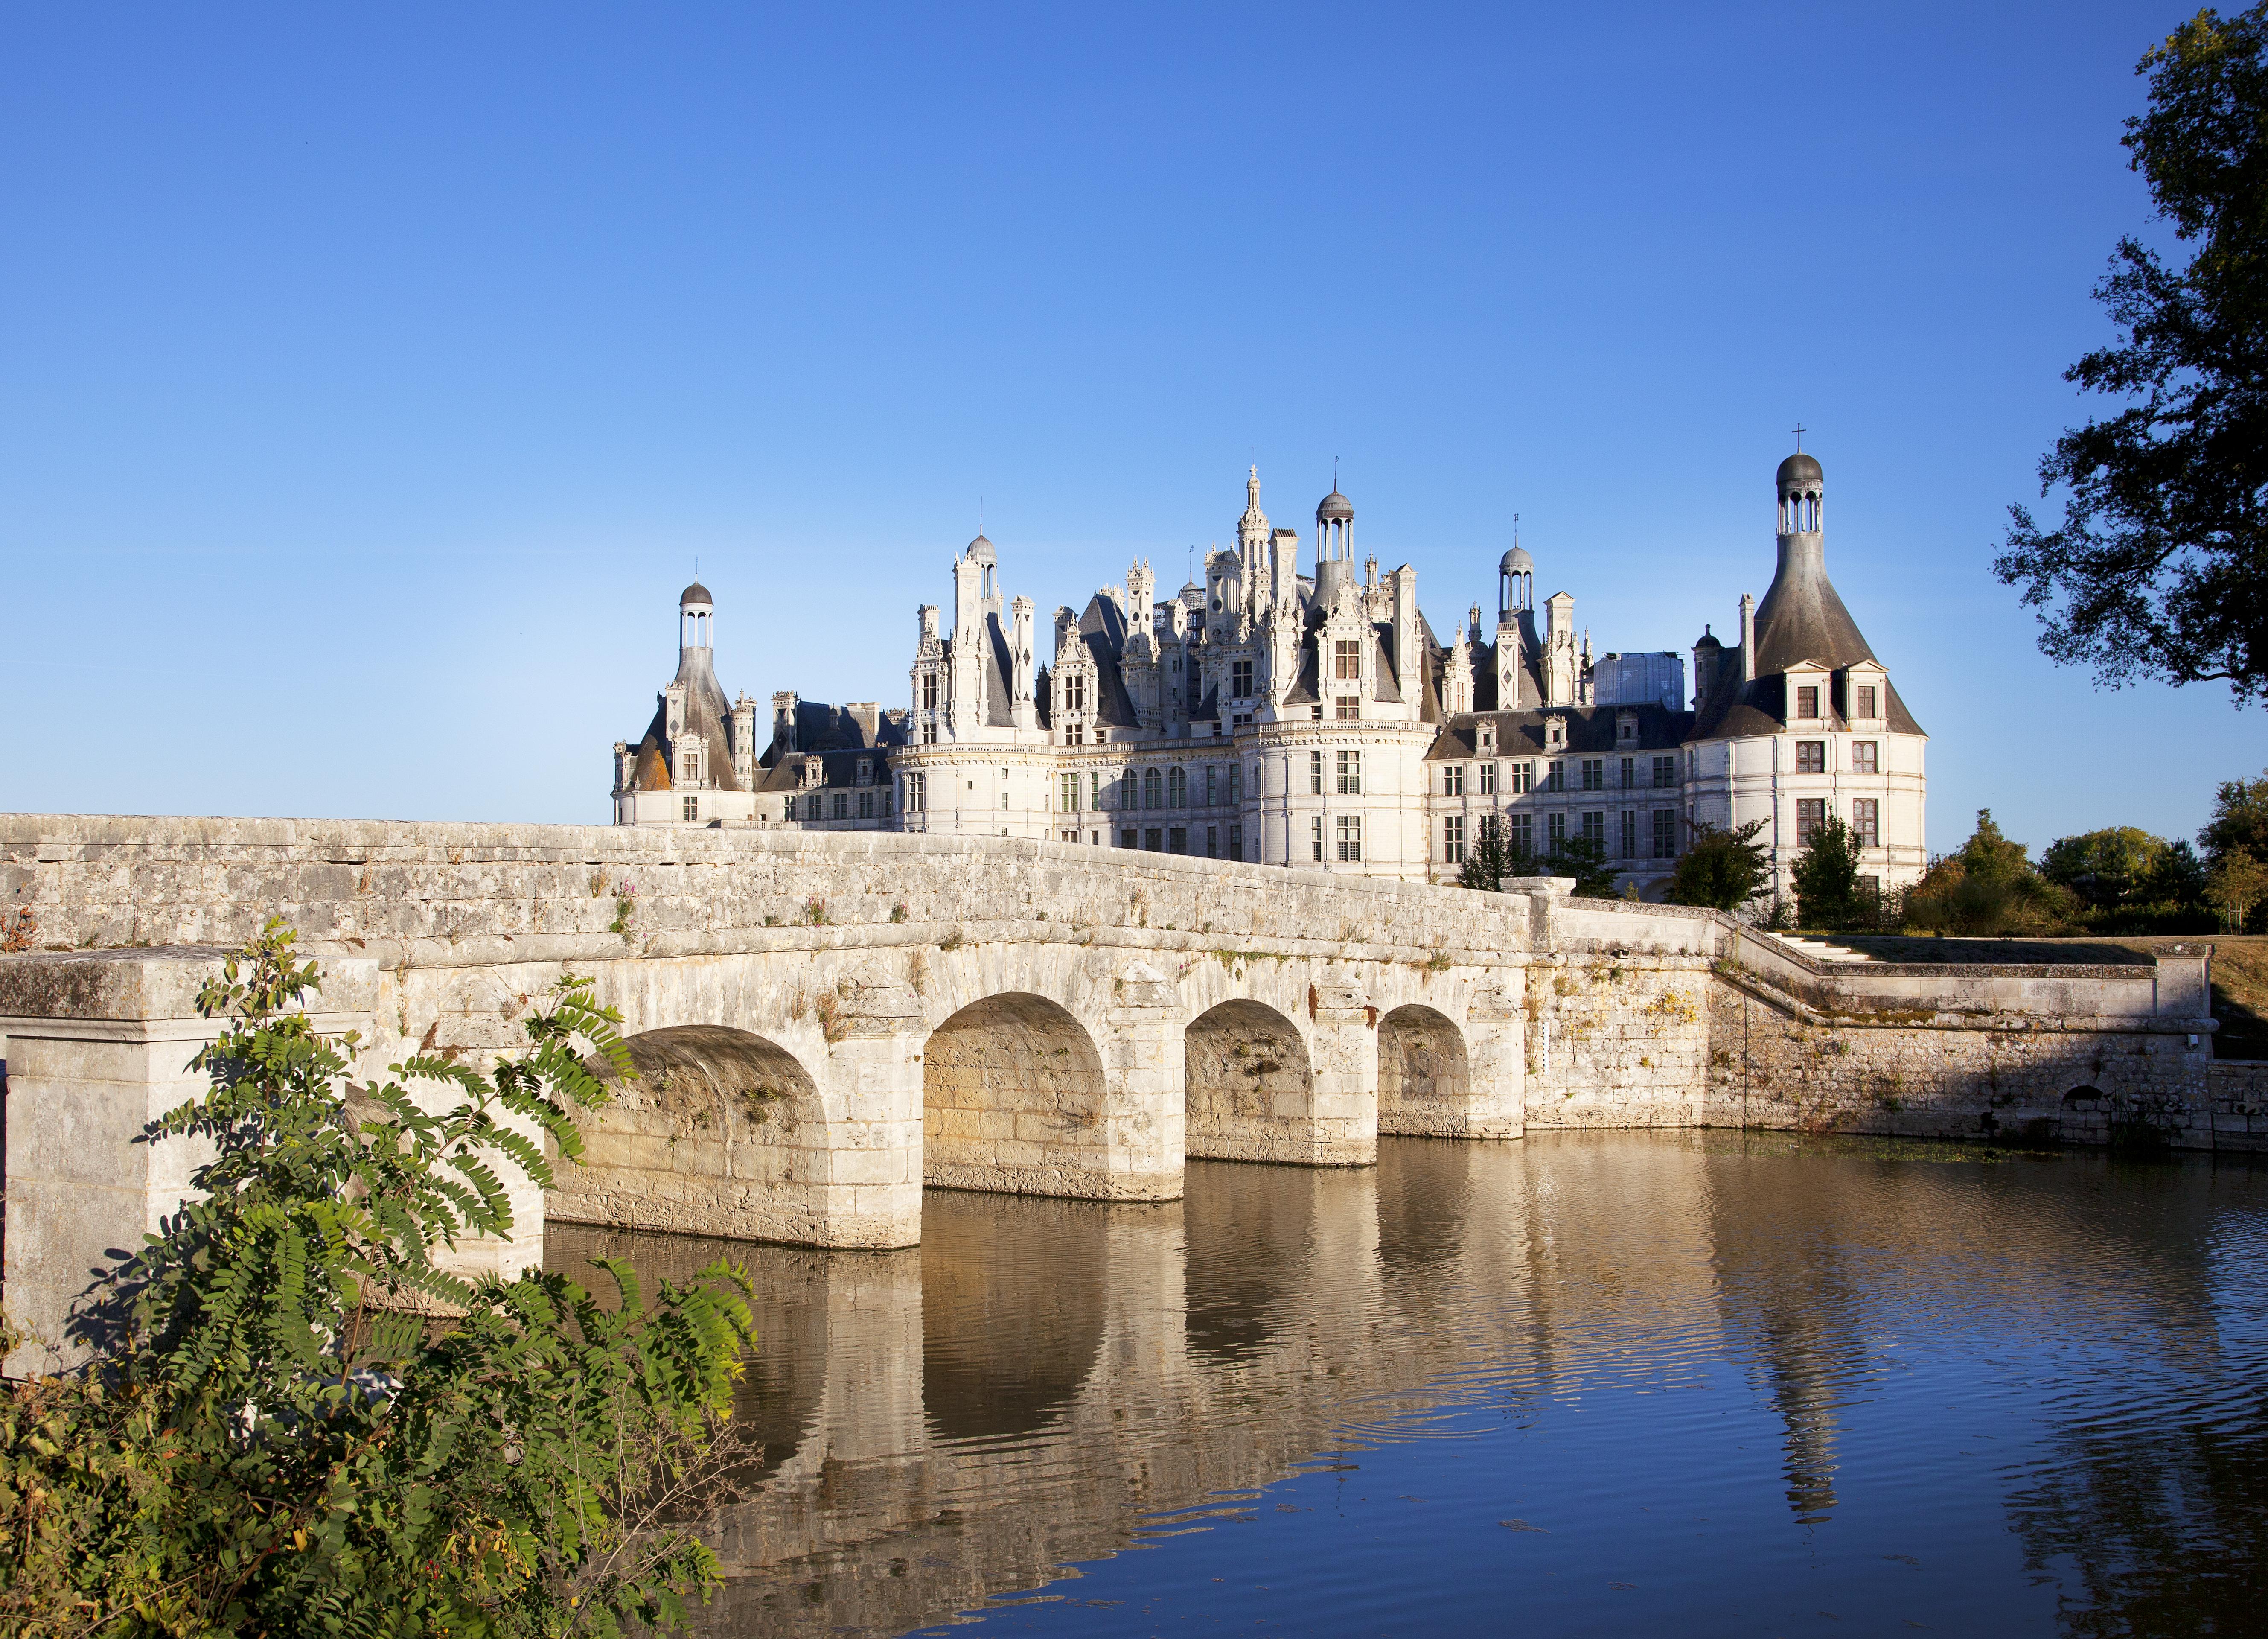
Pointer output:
x,y
823,1023
1314,720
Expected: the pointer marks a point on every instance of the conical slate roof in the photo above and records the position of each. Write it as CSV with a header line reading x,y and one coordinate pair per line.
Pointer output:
x,y
1802,619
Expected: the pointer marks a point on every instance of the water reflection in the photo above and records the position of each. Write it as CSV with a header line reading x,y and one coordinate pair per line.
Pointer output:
x,y
1774,1378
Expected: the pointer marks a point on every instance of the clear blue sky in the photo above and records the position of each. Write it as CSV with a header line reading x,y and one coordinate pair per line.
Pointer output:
x,y
372,382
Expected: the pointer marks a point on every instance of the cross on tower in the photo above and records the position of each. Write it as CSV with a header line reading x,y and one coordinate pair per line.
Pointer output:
x,y
1798,436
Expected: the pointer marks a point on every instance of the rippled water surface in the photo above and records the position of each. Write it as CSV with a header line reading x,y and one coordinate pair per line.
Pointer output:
x,y
1694,1383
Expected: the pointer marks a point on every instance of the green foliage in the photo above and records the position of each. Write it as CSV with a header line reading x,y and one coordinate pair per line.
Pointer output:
x,y
299,1423
2236,886
1494,857
1722,869
2127,880
2159,565
1988,889
1826,872
1586,861
2240,819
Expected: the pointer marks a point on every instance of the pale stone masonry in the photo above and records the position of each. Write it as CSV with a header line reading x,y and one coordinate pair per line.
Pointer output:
x,y
823,1023
1313,718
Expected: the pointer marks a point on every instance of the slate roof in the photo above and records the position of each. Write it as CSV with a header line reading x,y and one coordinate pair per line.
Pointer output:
x,y
1591,731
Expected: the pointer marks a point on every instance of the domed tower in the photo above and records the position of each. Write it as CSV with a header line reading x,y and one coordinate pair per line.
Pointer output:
x,y
1515,583
1333,544
696,612
1801,484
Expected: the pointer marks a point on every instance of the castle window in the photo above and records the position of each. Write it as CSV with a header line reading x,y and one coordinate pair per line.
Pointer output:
x,y
1126,840
1101,737
1094,787
1630,833
1315,776
865,770
1810,814
1350,774
1626,729
1453,838
1811,757
692,808
866,805
1665,833
1865,819
1453,779
1862,757
1630,773
1594,830
1177,839
1350,708
1067,792
1487,738
1074,690
1003,799
1153,788
1559,779
916,794
1212,842
1665,771
1488,780
1236,842
1235,784
1523,833
929,691
1523,777
1076,735
1555,827
1348,666
1212,770
1177,790
842,805
1315,836
1865,702
929,734
1594,773
1806,701
1350,839
1153,840
1239,679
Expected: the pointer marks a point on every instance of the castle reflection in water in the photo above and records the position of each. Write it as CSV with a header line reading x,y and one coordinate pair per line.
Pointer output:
x,y
1039,1379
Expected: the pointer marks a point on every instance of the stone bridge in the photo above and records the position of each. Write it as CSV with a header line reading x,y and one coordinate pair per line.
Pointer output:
x,y
825,1023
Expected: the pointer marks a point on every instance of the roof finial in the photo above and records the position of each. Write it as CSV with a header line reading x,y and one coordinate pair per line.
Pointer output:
x,y
1799,438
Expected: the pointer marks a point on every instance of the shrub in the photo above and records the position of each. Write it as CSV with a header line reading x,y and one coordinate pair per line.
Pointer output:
x,y
270,1441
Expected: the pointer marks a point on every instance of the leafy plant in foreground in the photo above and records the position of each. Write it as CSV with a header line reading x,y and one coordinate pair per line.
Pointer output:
x,y
273,1440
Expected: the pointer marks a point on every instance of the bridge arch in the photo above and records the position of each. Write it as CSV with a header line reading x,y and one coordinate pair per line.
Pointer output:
x,y
709,1135
1424,1075
1014,1100
1249,1084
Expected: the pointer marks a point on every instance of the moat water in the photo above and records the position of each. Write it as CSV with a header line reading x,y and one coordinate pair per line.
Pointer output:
x,y
1697,1383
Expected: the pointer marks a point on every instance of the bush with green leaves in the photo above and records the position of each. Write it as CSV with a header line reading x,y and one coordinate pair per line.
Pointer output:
x,y
1827,895
298,1422
1988,889
1721,869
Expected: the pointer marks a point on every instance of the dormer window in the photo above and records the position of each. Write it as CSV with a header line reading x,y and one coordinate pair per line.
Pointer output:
x,y
814,772
865,770
1074,690
1626,729
1865,705
1487,741
1806,701
1555,734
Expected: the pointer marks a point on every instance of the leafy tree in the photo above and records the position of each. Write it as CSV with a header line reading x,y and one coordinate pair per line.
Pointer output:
x,y
1586,861
1720,867
2240,819
273,1441
1494,857
2175,879
2105,869
2236,885
1827,894
1988,889
2159,565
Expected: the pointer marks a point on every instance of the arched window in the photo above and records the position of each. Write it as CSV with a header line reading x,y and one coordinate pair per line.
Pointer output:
x,y
1149,787
1177,790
